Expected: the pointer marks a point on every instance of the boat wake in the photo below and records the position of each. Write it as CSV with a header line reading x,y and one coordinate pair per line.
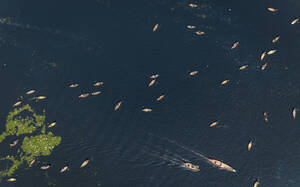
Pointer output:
x,y
213,162
170,158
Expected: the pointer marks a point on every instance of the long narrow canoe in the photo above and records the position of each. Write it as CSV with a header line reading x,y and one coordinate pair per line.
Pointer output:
x,y
221,165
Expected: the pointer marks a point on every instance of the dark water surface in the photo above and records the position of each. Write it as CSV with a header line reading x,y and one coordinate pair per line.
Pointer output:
x,y
47,45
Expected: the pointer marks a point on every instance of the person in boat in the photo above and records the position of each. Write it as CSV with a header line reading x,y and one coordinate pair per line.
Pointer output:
x,y
221,165
191,166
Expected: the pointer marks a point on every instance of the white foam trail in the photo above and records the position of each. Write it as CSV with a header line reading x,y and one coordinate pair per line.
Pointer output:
x,y
171,160
183,147
188,149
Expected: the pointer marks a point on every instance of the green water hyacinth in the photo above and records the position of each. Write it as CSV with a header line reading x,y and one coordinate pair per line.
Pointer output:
x,y
30,127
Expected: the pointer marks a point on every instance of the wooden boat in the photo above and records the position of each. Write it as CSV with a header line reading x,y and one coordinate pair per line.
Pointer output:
x,y
191,167
221,165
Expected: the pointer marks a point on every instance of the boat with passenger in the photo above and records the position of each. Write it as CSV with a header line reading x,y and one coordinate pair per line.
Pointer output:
x,y
191,167
221,165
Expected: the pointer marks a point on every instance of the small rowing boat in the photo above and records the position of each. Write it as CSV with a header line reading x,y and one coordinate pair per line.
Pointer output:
x,y
221,165
191,167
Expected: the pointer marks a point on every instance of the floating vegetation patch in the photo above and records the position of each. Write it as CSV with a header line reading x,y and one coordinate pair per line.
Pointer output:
x,y
30,128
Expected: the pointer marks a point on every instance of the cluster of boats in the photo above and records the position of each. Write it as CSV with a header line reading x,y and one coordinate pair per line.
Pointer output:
x,y
214,162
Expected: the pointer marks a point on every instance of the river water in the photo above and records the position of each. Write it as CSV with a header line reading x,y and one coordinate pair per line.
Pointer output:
x,y
49,45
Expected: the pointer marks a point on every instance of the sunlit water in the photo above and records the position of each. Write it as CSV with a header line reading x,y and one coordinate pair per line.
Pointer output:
x,y
115,44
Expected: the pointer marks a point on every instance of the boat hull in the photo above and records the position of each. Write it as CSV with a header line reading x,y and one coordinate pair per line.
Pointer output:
x,y
220,165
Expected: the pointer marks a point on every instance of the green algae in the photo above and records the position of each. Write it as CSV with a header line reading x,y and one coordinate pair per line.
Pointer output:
x,y
15,165
52,64
18,125
40,145
30,127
